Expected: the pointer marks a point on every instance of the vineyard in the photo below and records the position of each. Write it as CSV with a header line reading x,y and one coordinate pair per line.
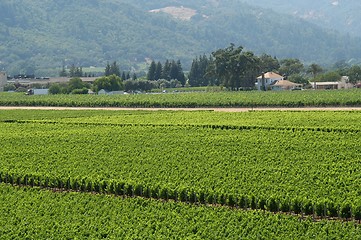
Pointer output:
x,y
192,99
228,169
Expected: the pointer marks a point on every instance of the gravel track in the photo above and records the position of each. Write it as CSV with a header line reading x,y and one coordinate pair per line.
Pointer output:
x,y
188,109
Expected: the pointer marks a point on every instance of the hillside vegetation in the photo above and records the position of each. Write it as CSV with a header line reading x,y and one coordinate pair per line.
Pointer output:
x,y
36,35
341,15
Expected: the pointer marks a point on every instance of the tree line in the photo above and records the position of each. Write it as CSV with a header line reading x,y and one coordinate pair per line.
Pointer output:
x,y
233,68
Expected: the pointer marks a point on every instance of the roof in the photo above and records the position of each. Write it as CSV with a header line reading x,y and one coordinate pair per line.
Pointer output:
x,y
286,83
324,83
271,75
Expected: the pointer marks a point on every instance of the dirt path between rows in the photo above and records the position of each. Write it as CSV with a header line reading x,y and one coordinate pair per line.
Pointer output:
x,y
188,109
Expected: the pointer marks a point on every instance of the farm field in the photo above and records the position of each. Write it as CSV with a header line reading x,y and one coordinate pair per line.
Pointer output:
x,y
305,163
40,214
192,99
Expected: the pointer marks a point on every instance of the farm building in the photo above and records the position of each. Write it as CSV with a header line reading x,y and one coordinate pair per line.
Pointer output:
x,y
342,84
265,80
285,85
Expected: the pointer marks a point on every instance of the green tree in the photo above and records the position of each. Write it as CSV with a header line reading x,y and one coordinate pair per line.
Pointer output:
x,y
151,71
341,67
55,89
333,76
298,78
235,68
108,83
72,71
166,70
112,69
194,75
123,76
354,74
269,63
180,74
107,70
314,69
291,66
75,83
63,72
158,71
115,69
101,83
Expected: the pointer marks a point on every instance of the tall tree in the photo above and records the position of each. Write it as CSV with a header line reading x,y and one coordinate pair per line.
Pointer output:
x,y
166,70
108,83
291,66
158,71
114,69
72,71
314,69
75,83
107,70
63,72
173,72
194,74
354,74
151,71
269,63
235,68
180,74
123,76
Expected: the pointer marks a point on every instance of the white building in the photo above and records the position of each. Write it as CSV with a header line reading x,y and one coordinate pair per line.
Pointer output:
x,y
342,84
269,79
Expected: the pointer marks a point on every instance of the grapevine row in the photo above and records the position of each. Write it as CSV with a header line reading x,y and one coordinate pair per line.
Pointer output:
x,y
273,204
35,213
205,164
191,100
221,127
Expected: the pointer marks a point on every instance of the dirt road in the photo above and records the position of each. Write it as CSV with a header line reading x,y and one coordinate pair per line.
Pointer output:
x,y
188,109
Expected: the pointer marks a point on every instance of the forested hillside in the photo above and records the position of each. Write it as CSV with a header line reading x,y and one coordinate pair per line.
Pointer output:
x,y
37,35
341,15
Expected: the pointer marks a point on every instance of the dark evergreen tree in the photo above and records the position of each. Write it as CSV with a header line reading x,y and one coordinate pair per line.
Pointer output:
x,y
123,76
180,74
198,73
78,72
107,70
72,71
128,76
114,69
151,71
63,72
134,76
193,75
158,71
166,70
173,73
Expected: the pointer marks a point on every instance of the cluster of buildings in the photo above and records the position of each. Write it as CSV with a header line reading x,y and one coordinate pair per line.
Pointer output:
x,y
274,81
267,81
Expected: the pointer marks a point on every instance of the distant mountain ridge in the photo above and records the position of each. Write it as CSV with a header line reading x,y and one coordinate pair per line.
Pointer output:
x,y
37,35
341,15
